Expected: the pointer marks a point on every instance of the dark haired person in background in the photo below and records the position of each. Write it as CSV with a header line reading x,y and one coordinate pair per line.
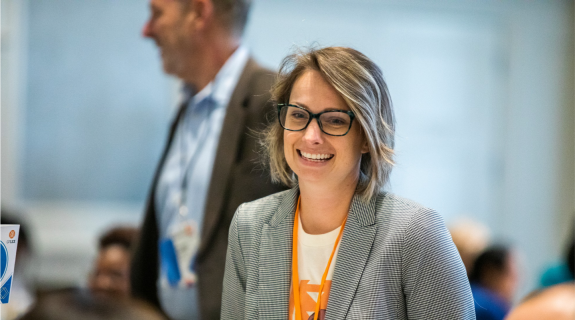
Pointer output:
x,y
75,304
209,166
562,271
111,274
571,259
494,279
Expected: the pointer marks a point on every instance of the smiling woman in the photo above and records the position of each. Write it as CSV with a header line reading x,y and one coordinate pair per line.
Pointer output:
x,y
336,246
355,84
321,160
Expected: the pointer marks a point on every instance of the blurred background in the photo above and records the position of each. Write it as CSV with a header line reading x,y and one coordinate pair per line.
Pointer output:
x,y
483,93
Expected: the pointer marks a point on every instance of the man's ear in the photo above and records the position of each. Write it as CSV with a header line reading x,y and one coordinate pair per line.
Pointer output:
x,y
202,12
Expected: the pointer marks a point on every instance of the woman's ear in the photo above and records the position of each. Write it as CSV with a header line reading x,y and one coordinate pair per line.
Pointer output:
x,y
365,147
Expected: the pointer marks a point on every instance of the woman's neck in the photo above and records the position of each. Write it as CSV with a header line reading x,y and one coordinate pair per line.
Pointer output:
x,y
324,209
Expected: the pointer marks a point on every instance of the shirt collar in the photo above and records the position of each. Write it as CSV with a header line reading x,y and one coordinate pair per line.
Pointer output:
x,y
221,88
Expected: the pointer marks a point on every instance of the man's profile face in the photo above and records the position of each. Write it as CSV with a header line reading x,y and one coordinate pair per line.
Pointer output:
x,y
168,28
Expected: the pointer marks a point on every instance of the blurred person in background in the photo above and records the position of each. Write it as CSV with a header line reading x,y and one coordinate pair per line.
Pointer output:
x,y
571,259
471,238
562,272
209,165
494,279
22,291
111,273
77,304
553,303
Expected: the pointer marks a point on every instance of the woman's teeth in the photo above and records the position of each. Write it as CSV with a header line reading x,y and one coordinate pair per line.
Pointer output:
x,y
316,157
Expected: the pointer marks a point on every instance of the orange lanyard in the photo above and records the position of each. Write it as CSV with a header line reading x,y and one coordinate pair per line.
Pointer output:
x,y
294,268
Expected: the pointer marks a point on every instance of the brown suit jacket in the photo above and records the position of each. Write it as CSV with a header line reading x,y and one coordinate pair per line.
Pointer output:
x,y
237,177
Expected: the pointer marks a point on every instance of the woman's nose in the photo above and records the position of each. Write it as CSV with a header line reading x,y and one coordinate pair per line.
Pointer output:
x,y
313,133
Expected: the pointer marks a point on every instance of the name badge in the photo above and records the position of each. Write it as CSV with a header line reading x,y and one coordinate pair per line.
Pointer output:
x,y
178,252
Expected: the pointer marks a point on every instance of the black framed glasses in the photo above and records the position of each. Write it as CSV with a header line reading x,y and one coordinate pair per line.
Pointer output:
x,y
331,122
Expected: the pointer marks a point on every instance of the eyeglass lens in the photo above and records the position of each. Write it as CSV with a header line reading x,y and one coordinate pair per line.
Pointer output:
x,y
331,122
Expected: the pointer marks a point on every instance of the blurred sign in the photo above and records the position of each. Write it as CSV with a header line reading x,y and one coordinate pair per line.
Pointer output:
x,y
8,244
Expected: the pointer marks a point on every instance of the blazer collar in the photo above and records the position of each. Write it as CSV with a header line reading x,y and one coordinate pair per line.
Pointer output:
x,y
361,211
275,256
286,207
354,250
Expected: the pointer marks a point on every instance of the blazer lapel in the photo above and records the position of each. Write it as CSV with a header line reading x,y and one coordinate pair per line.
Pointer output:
x,y
275,261
355,246
232,129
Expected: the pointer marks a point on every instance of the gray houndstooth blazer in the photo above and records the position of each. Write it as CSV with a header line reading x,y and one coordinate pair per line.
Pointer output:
x,y
396,261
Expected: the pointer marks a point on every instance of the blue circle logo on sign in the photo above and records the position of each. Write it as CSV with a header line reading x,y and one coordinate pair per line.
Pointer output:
x,y
3,260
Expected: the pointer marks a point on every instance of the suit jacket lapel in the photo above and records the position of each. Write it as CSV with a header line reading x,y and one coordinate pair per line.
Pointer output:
x,y
144,270
275,260
232,129
356,242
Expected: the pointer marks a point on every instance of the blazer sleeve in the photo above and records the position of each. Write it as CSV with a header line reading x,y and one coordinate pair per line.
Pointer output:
x,y
435,282
234,291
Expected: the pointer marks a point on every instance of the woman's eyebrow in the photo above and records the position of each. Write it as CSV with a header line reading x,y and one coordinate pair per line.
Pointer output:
x,y
307,108
299,104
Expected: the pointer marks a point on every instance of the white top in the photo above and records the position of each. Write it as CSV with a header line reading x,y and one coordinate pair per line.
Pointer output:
x,y
313,252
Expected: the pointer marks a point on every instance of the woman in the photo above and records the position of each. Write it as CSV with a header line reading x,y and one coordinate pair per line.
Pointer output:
x,y
371,254
111,270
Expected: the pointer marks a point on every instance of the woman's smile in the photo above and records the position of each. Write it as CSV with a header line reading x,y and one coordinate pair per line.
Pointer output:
x,y
315,157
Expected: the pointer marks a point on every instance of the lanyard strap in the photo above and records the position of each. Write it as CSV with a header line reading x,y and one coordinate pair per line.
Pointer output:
x,y
185,168
295,271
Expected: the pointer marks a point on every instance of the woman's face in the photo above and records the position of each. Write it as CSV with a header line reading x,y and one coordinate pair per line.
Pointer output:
x,y
313,155
111,275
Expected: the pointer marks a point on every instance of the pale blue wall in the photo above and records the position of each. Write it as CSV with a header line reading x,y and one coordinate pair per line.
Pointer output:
x,y
445,70
97,102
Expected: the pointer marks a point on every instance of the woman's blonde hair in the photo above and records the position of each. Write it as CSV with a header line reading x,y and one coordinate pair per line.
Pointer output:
x,y
360,82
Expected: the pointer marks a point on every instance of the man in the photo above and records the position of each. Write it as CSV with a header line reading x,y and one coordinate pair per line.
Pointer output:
x,y
209,165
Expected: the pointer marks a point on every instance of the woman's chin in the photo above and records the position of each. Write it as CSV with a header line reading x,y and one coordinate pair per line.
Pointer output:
x,y
311,175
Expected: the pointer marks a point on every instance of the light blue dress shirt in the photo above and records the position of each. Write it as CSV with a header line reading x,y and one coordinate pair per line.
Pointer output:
x,y
191,156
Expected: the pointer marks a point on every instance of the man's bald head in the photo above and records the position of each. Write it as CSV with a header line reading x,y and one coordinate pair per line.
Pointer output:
x,y
554,303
